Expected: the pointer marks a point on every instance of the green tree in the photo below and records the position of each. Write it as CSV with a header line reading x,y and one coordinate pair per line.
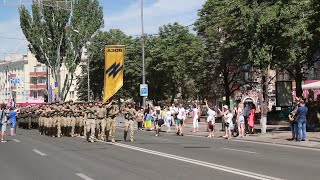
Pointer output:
x,y
96,57
174,57
217,24
57,34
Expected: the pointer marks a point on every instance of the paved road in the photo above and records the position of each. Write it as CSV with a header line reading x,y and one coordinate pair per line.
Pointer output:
x,y
30,156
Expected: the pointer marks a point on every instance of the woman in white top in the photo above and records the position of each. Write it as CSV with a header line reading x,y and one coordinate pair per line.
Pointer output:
x,y
168,119
181,118
211,119
240,120
229,124
196,113
227,116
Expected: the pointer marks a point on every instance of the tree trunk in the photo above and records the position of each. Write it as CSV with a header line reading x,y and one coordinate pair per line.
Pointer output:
x,y
57,78
173,94
226,85
298,78
264,99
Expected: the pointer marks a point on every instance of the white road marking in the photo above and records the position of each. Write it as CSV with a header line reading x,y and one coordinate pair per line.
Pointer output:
x,y
40,153
197,162
16,140
240,150
83,176
162,139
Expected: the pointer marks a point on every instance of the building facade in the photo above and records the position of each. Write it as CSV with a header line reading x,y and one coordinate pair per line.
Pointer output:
x,y
23,78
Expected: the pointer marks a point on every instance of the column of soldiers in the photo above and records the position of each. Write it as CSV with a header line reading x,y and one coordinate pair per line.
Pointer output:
x,y
88,119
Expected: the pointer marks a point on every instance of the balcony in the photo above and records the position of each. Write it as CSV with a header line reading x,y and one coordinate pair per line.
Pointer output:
x,y
37,74
37,87
12,76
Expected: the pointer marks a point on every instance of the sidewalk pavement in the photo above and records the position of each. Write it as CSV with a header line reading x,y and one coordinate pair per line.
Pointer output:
x,y
276,134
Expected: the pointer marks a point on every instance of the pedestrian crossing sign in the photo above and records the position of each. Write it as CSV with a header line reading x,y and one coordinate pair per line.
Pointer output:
x,y
144,90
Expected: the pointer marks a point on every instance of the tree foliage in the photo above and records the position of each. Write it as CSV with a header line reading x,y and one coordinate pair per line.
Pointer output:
x,y
217,24
96,58
57,35
176,56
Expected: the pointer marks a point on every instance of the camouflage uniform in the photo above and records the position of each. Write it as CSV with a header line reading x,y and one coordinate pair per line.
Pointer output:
x,y
101,118
91,112
130,114
111,122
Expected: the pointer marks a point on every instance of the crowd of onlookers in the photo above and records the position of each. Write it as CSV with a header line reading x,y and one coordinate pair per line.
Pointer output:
x,y
304,112
240,119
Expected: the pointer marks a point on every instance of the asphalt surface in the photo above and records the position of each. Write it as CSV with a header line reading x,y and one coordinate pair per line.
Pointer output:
x,y
30,156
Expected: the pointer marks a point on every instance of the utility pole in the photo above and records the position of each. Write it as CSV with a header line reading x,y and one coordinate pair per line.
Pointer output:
x,y
143,61
88,71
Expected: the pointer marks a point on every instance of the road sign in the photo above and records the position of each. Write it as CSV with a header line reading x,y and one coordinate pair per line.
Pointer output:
x,y
144,90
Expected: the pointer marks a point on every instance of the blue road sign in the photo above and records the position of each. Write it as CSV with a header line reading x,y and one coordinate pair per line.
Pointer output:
x,y
144,90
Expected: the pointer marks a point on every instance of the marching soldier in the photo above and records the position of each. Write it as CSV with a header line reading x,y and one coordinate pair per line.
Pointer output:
x,y
130,116
112,112
90,118
41,119
101,118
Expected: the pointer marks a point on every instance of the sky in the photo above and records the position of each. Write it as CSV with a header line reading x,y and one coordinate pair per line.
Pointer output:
x,y
118,14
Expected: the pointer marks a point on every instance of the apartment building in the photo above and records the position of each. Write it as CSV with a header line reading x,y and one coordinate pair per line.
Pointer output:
x,y
23,78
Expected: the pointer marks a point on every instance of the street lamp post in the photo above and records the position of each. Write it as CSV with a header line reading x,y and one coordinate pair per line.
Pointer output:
x,y
143,60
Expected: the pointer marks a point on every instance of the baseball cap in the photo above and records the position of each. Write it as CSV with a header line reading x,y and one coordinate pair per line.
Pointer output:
x,y
225,106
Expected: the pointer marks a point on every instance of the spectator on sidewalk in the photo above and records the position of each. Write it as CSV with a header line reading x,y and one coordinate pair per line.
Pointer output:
x,y
148,119
293,125
211,119
168,119
302,112
3,119
181,118
251,118
13,120
245,114
196,116
140,118
228,116
318,108
156,115
240,121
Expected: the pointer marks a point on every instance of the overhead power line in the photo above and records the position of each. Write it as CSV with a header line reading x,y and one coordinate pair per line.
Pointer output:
x,y
1,37
66,5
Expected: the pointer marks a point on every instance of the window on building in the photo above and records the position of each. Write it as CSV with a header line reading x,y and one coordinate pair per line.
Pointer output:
x,y
44,69
71,94
35,69
42,80
33,80
35,94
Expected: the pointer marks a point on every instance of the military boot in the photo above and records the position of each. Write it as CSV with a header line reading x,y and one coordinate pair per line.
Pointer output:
x,y
107,135
45,131
87,136
41,130
81,131
69,131
54,132
125,135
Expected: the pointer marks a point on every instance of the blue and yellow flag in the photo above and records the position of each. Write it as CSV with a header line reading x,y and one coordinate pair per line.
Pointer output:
x,y
113,70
